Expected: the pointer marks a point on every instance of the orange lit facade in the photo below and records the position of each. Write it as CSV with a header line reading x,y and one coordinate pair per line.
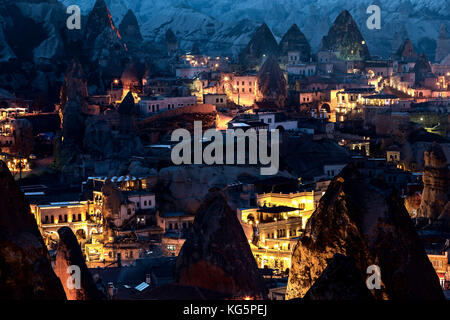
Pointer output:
x,y
276,224
83,217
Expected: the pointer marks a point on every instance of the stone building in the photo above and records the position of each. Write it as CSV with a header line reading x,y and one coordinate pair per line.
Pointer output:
x,y
274,225
84,218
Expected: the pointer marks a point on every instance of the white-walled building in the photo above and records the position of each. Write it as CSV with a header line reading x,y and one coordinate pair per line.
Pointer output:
x,y
160,104
143,200
218,100
189,72
332,170
277,121
304,69
175,221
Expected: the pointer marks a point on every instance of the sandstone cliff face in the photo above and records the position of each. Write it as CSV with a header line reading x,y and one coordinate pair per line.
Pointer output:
x,y
217,256
435,195
25,269
69,254
371,226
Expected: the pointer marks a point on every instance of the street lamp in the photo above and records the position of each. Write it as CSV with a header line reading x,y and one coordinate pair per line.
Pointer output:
x,y
115,82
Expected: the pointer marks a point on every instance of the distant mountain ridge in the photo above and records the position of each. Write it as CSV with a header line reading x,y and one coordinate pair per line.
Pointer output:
x,y
214,23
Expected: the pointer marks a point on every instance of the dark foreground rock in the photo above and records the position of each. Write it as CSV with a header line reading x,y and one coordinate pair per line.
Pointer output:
x,y
371,226
341,280
25,269
69,254
217,256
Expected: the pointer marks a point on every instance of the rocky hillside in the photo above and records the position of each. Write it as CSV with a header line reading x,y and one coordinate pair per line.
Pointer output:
x,y
33,65
25,268
229,24
368,223
32,61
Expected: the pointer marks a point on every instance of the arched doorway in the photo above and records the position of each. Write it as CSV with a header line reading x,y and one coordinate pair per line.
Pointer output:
x,y
325,107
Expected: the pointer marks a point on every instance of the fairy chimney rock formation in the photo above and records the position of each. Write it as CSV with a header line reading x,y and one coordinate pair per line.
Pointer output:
x,y
341,280
261,45
370,225
129,28
345,39
272,83
69,259
406,51
435,195
217,256
25,268
295,40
